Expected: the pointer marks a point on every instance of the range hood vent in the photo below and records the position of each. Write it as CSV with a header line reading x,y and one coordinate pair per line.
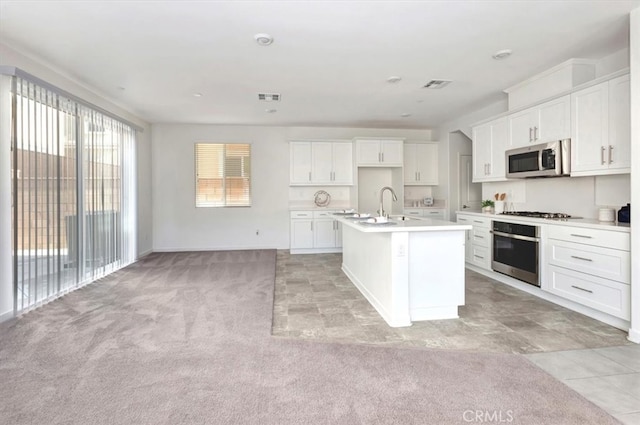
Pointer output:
x,y
269,97
436,84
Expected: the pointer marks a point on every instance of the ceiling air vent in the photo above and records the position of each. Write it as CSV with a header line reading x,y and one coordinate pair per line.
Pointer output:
x,y
436,84
269,97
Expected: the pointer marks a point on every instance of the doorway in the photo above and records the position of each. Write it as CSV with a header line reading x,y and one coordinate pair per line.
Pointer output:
x,y
470,194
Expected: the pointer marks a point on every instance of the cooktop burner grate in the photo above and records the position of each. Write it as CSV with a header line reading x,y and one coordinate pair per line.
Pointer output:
x,y
536,214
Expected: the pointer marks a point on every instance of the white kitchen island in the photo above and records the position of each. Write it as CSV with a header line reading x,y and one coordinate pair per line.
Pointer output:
x,y
410,270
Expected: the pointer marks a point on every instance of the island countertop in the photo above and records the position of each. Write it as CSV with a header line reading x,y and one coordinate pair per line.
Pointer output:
x,y
412,224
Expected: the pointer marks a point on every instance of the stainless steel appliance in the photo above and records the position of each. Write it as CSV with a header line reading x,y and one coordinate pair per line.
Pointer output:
x,y
538,214
544,160
516,251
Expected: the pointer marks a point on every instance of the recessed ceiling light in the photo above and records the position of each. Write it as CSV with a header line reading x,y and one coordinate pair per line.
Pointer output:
x,y
197,94
271,111
502,54
263,39
405,115
393,79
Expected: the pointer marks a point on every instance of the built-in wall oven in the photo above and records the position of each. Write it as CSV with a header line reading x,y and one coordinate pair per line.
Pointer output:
x,y
516,251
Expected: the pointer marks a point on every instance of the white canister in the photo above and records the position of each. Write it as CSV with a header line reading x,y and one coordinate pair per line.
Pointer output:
x,y
607,214
498,207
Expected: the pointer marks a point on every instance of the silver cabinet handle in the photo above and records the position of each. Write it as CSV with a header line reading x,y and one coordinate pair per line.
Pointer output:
x,y
535,133
382,156
581,236
610,154
478,236
489,168
582,289
309,175
581,258
416,176
530,134
479,256
478,221
419,177
379,157
602,161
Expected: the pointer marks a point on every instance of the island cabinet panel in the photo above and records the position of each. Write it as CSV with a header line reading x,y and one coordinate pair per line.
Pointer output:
x,y
408,270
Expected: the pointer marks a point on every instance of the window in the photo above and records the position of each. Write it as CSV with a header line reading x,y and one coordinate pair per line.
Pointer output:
x,y
223,175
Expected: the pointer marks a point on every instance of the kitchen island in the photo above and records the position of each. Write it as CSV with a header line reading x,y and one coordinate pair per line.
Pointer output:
x,y
409,270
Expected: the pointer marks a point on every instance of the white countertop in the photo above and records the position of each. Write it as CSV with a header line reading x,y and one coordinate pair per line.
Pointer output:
x,y
571,222
411,225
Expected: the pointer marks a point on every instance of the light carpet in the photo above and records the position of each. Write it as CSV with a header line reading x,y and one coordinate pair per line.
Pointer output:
x,y
184,338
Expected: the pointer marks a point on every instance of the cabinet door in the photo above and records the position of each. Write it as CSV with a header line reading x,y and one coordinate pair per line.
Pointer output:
x,y
301,234
410,167
300,162
589,129
554,120
321,162
342,163
481,152
619,149
521,127
338,234
468,243
324,233
392,152
499,144
368,152
427,163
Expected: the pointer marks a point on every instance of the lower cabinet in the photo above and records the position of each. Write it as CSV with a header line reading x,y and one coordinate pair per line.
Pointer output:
x,y
478,243
315,232
591,267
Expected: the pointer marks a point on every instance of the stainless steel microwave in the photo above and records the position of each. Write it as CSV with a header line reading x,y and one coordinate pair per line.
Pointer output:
x,y
551,159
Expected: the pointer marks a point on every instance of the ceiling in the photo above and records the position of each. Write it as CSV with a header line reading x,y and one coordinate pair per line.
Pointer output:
x,y
329,60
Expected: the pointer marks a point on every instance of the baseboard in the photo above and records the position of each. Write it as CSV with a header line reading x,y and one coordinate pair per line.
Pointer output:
x,y
6,316
145,253
216,248
634,336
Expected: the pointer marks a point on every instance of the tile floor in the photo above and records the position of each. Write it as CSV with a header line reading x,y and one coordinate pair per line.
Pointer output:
x,y
315,300
608,377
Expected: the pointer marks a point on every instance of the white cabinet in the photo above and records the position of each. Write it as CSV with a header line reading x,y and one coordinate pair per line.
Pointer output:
x,y
437,213
421,164
543,123
600,129
388,153
478,242
300,162
318,162
490,141
591,267
315,232
301,230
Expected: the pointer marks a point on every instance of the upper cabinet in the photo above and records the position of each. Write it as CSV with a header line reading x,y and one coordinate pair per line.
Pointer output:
x,y
543,123
421,164
325,163
490,141
600,129
386,153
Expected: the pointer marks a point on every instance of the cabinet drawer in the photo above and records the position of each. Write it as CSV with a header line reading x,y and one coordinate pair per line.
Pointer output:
x,y
481,257
604,295
603,262
413,212
301,214
596,237
434,213
481,237
323,214
481,222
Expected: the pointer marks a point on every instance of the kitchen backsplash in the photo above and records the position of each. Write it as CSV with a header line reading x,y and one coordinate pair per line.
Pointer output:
x,y
577,196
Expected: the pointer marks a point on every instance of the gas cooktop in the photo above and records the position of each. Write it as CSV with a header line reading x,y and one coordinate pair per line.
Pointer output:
x,y
537,214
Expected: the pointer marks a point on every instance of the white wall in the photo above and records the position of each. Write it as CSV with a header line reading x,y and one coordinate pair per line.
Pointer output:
x,y
459,144
634,332
179,225
11,57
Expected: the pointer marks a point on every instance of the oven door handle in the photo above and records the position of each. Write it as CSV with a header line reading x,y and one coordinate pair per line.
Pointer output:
x,y
519,237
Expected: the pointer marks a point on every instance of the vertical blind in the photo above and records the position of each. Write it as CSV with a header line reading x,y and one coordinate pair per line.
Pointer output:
x,y
73,209
223,174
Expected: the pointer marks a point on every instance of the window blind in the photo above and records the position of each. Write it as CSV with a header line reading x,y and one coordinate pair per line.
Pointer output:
x,y
223,174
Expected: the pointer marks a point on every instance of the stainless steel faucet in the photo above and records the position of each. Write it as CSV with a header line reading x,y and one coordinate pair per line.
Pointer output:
x,y
393,197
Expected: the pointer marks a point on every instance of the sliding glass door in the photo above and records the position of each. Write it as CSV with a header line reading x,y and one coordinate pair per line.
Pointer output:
x,y
73,198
